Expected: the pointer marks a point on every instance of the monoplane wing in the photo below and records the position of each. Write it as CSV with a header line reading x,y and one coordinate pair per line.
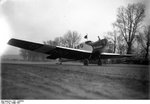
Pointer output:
x,y
36,47
53,51
113,55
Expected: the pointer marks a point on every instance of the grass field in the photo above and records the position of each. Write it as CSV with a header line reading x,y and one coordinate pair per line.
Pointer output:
x,y
74,81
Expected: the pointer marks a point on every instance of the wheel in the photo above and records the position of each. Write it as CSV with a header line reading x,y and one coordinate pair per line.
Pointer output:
x,y
86,62
99,62
59,61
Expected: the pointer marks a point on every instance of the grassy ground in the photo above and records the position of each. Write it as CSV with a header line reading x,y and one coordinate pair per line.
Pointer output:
x,y
68,81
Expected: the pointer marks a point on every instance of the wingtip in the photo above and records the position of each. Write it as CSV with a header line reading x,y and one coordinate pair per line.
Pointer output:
x,y
11,41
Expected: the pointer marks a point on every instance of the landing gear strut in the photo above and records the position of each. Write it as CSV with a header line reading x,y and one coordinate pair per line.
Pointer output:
x,y
86,62
59,61
99,62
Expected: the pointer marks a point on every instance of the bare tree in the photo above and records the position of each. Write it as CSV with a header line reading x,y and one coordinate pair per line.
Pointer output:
x,y
24,54
109,47
60,41
49,42
121,45
112,37
144,39
71,38
129,20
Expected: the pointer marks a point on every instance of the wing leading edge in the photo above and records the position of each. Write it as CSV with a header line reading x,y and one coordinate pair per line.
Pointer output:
x,y
59,51
53,51
42,48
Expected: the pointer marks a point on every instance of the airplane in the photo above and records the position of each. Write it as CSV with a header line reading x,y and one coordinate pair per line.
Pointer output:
x,y
77,53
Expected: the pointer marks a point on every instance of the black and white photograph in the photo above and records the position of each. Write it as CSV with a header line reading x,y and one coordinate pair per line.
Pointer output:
x,y
75,49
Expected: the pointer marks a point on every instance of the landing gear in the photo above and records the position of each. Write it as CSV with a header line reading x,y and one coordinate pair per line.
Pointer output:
x,y
86,62
99,62
59,61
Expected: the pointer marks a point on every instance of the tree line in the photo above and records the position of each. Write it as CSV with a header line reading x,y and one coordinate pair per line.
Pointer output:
x,y
130,35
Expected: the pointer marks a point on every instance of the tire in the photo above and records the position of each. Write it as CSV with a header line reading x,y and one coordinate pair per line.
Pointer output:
x,y
86,62
99,63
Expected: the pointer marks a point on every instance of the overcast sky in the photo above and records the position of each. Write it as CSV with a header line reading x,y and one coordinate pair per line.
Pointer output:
x,y
41,20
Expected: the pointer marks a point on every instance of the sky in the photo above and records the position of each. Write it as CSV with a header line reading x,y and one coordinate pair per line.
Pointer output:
x,y
42,20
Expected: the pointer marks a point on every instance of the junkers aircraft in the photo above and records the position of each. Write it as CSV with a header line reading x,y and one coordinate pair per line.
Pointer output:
x,y
95,52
